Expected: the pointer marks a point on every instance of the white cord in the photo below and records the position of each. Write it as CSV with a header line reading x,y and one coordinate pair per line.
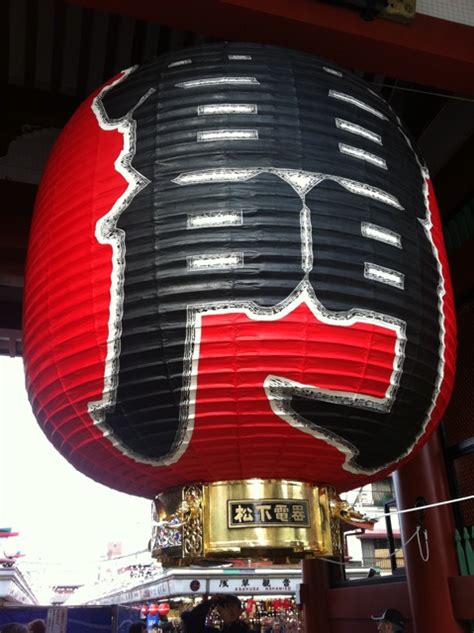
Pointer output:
x,y
399,549
425,92
416,534
429,505
333,562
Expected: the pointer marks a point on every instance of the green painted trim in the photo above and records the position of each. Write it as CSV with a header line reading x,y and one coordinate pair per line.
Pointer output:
x,y
469,552
460,554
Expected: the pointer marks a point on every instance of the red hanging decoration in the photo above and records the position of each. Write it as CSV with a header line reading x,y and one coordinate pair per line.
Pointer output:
x,y
163,609
249,605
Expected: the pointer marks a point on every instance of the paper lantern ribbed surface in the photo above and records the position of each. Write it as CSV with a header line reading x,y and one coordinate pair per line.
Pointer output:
x,y
236,270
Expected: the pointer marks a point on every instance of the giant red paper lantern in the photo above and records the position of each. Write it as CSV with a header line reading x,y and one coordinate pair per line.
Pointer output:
x,y
237,270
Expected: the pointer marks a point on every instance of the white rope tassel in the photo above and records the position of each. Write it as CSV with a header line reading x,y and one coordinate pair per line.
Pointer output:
x,y
424,556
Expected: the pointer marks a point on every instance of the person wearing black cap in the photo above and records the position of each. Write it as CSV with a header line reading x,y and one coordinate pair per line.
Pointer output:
x,y
391,621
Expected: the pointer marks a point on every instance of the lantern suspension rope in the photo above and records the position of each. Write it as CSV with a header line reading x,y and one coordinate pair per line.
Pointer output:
x,y
429,505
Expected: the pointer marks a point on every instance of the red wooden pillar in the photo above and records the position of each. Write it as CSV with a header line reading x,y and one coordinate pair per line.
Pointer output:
x,y
430,600
314,596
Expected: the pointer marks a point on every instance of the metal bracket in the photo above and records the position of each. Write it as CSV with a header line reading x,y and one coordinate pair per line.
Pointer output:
x,y
403,11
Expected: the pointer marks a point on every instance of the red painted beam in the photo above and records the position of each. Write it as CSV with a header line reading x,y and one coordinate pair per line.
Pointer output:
x,y
359,603
462,590
429,51
314,596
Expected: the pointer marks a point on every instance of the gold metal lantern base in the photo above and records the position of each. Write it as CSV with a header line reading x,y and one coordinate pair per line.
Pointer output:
x,y
257,519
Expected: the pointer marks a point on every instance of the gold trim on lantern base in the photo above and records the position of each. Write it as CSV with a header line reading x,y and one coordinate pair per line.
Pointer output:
x,y
279,520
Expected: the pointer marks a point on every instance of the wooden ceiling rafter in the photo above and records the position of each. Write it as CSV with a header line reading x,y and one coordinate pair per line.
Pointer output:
x,y
429,51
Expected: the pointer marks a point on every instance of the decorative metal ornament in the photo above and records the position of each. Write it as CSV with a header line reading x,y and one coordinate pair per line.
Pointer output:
x,y
236,272
282,520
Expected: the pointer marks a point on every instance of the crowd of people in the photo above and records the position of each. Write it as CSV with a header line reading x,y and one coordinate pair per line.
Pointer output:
x,y
223,614
219,614
226,609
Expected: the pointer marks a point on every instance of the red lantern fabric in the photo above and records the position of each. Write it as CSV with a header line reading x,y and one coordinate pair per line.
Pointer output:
x,y
236,270
153,609
163,609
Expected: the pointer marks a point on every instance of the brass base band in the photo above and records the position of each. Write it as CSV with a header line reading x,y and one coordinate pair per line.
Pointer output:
x,y
254,519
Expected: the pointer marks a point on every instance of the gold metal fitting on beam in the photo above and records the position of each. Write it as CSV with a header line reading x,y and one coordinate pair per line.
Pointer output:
x,y
400,11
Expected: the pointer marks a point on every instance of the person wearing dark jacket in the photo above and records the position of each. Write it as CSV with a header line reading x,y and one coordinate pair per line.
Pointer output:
x,y
229,609
194,620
